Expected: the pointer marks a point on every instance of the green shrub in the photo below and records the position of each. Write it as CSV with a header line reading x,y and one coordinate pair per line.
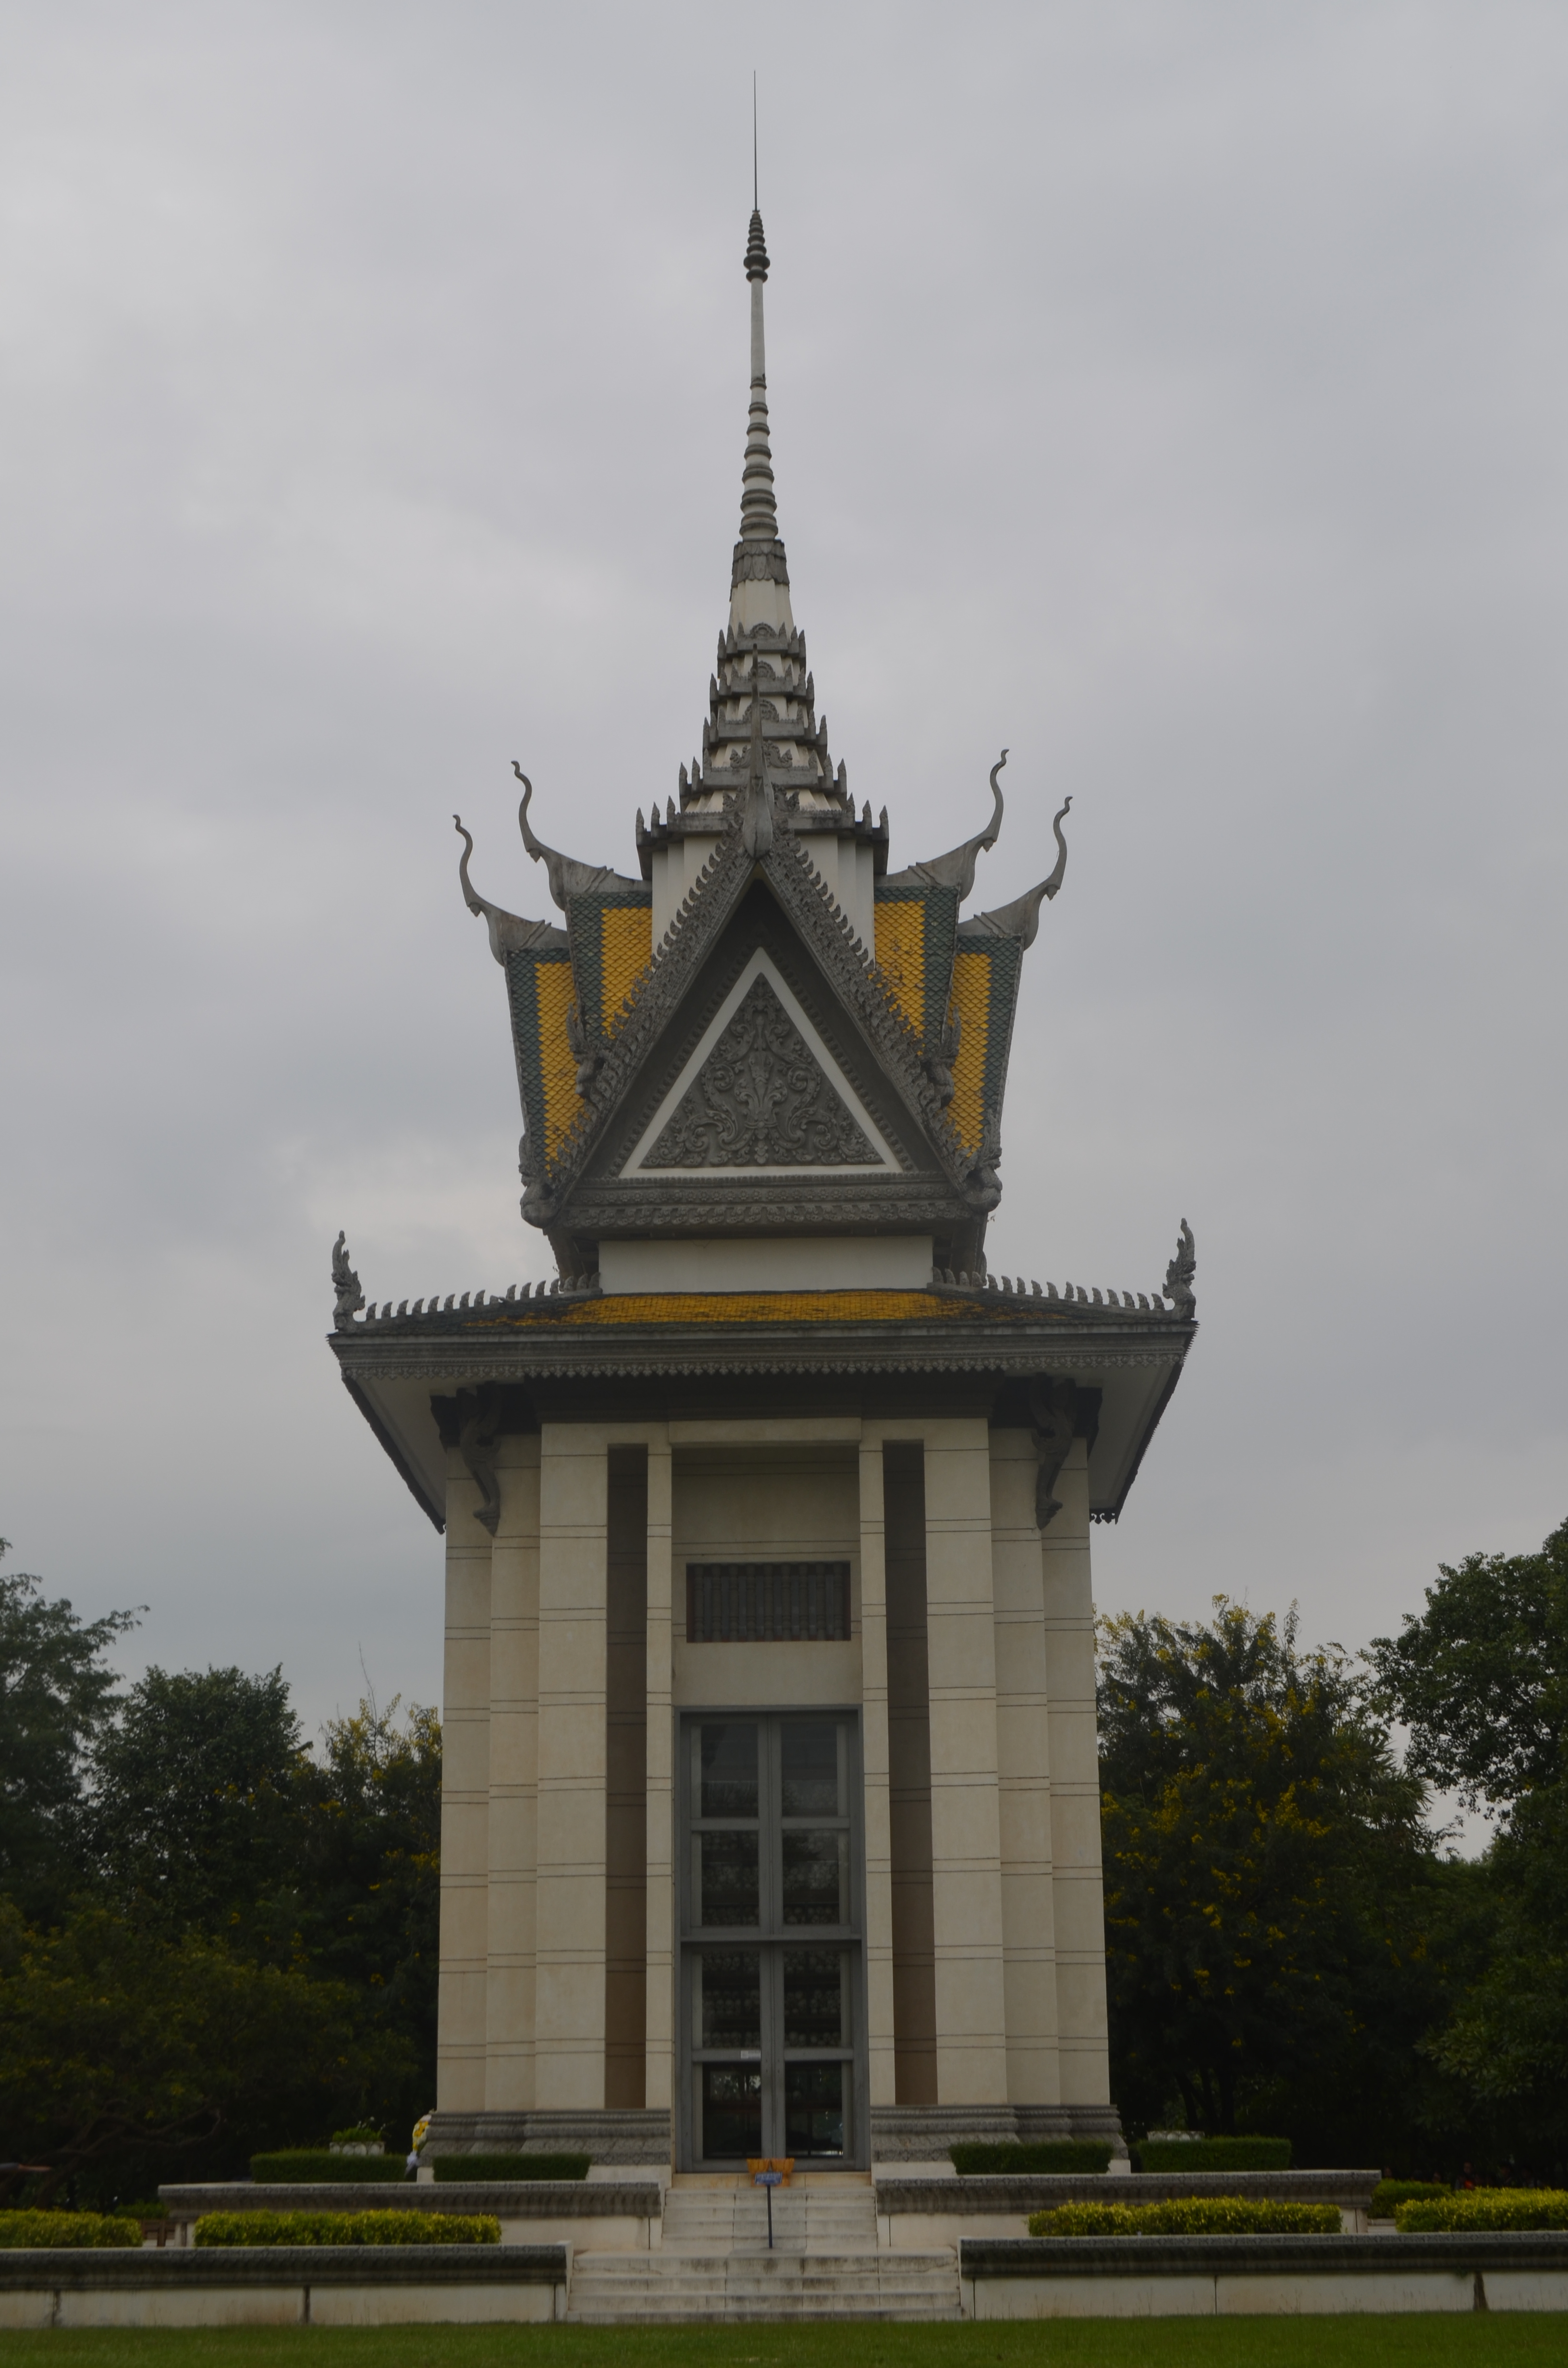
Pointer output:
x,y
1390,2193
1212,2154
305,2168
360,2136
19,2229
1045,2155
347,2228
1486,2207
487,2166
1189,2216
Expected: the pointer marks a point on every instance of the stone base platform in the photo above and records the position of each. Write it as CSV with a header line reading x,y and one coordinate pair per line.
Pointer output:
x,y
1223,2277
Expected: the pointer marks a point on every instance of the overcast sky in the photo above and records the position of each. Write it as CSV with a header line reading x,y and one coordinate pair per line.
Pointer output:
x,y
1174,392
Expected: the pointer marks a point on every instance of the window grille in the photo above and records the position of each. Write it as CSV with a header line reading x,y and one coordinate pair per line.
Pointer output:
x,y
765,1603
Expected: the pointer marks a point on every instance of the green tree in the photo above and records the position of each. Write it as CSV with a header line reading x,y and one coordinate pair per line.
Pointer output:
x,y
1481,1677
55,1699
196,1798
125,2059
370,1873
1270,1884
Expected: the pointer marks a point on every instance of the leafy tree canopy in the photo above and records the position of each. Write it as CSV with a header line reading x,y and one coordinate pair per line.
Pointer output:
x,y
193,1782
55,1695
1481,1677
1255,1819
115,2052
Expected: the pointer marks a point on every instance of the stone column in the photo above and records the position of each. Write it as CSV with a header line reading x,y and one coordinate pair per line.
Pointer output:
x,y
465,1800
663,1598
874,1746
1028,1941
514,1769
1076,1883
569,1948
966,1847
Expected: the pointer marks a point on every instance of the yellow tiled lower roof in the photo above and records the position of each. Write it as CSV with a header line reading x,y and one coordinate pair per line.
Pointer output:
x,y
756,1307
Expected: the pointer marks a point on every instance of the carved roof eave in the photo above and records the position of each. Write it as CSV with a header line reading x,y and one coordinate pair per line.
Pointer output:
x,y
509,933
483,1350
1136,1361
829,938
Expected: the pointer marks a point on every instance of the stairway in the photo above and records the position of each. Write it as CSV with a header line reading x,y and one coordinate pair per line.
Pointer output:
x,y
713,2264
805,2219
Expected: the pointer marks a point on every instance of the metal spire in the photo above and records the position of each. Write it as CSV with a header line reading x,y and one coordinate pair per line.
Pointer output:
x,y
759,519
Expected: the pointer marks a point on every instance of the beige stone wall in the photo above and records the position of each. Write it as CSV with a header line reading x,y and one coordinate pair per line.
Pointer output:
x,y
1015,1888
766,1495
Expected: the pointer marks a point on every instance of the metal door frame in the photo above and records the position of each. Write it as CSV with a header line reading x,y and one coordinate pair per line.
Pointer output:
x,y
770,1938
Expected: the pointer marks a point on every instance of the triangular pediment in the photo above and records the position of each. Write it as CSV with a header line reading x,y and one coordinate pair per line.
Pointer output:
x,y
761,1092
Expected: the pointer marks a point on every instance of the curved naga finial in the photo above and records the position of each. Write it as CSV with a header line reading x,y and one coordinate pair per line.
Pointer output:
x,y
346,1284
509,932
475,903
568,878
1021,918
1181,1271
957,870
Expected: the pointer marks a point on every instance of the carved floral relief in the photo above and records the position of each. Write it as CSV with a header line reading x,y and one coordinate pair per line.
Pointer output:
x,y
761,1101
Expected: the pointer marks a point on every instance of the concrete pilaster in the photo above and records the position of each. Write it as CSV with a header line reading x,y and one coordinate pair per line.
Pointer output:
x,y
874,1746
465,1800
966,1868
1024,1775
514,1771
570,1951
1077,1885
663,1596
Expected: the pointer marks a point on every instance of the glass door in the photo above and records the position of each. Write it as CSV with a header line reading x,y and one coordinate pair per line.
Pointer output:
x,y
772,1975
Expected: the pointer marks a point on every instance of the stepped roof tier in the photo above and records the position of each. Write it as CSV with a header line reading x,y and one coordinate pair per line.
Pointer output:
x,y
763,999
762,1080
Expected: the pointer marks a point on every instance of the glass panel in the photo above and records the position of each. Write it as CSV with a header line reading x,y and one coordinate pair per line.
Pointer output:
x,y
727,1891
814,1998
731,2108
728,1771
814,2107
732,1999
816,1871
810,1771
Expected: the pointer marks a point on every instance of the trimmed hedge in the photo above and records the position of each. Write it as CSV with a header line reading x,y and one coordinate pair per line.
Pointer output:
x,y
347,2228
311,2168
20,2228
468,2168
1212,2154
1390,2193
1015,2159
1487,2208
1189,2216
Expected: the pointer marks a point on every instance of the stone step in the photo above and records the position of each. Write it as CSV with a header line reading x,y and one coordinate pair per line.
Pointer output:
x,y
610,2287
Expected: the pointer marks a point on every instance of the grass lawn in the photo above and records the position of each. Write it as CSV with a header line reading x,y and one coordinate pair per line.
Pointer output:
x,y
1429,2341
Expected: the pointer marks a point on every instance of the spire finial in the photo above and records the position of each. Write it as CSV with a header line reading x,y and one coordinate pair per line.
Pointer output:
x,y
755,200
